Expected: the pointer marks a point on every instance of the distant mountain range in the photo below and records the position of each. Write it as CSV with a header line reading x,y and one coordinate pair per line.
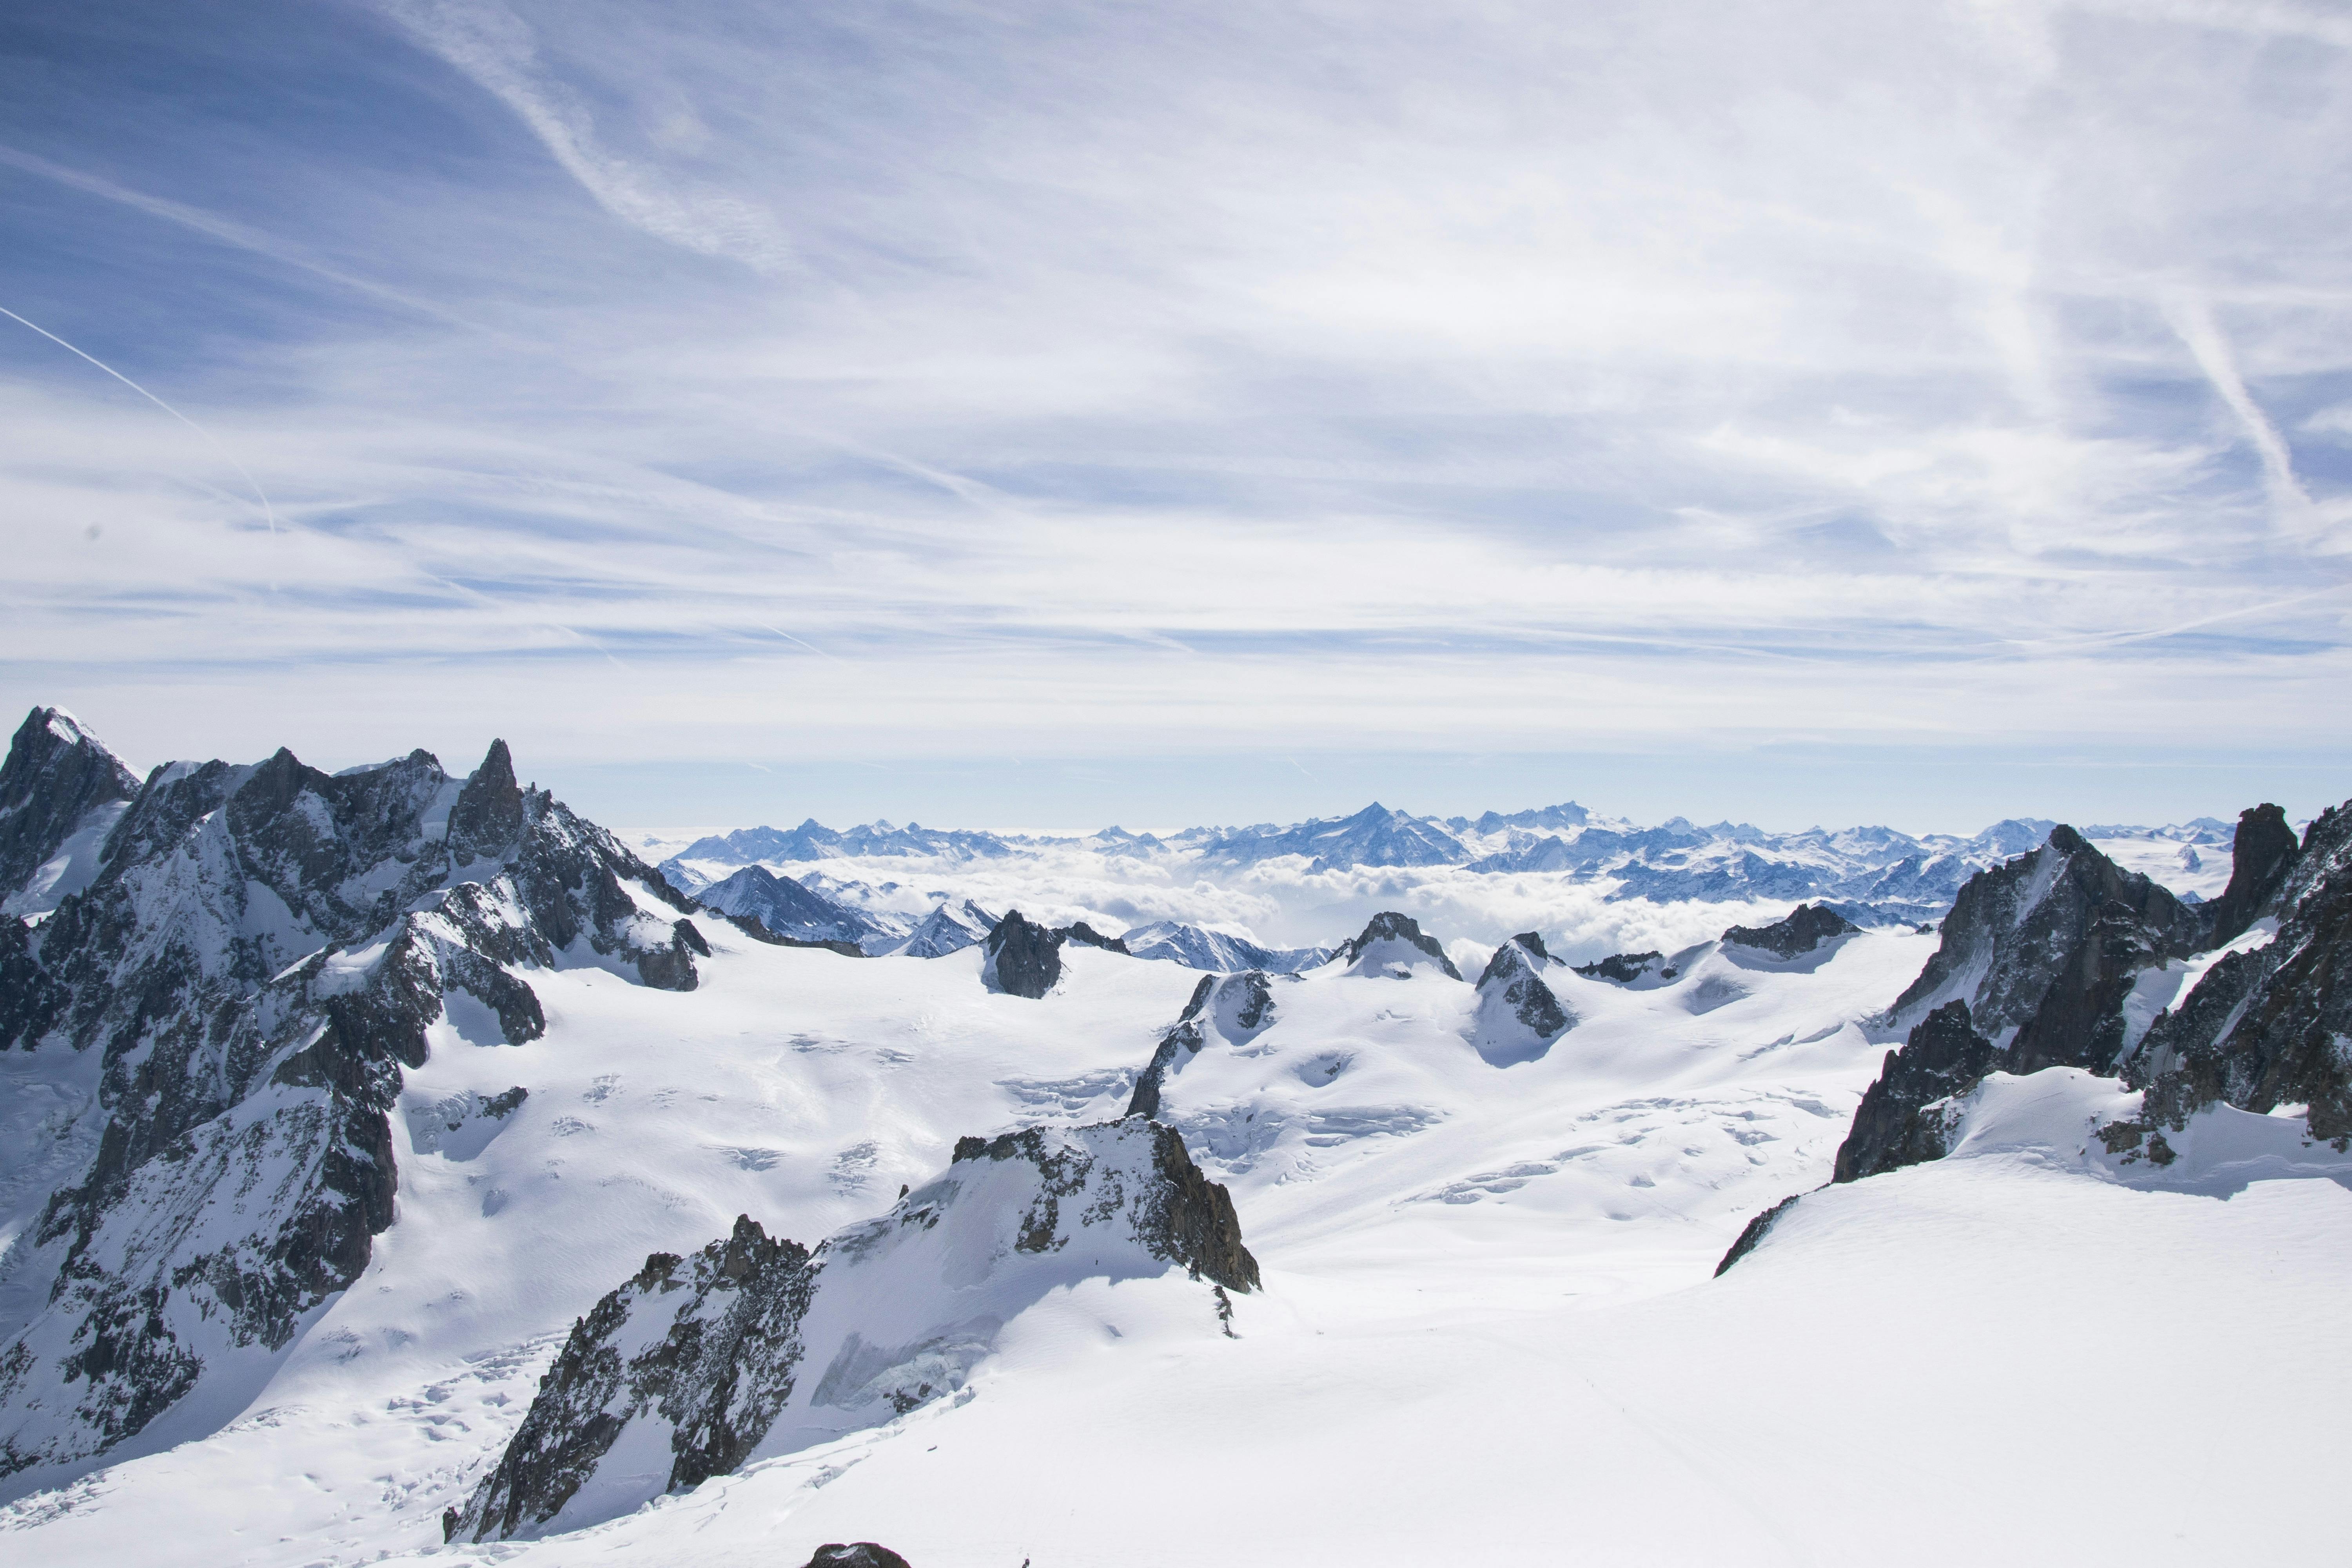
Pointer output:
x,y
1875,876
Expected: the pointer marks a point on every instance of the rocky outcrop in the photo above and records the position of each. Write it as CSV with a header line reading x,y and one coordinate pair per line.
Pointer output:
x,y
721,1337
1755,1231
1021,958
863,1554
2271,1025
61,792
1803,929
2263,852
1394,945
1626,968
1519,1015
1902,1119
257,962
755,1345
2040,956
2044,947
1086,935
1233,1008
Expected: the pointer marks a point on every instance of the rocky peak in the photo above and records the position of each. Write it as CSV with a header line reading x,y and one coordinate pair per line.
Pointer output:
x,y
258,961
1519,1015
1900,1122
60,784
1391,942
756,1346
1626,968
1802,930
489,813
2261,856
1086,935
1236,1008
2266,1024
2043,948
1021,958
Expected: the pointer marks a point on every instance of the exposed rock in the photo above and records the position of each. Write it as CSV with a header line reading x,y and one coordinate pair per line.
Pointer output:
x,y
1086,935
1021,958
754,1344
60,792
1801,930
1902,1119
1625,968
2263,852
864,1554
715,1375
1519,1015
2269,1027
2044,950
1392,943
257,962
1757,1229
1236,1007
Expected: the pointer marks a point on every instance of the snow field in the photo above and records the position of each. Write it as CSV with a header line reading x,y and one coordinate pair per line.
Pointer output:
x,y
1488,1332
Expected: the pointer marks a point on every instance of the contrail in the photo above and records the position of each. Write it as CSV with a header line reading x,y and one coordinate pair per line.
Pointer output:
x,y
266,510
225,230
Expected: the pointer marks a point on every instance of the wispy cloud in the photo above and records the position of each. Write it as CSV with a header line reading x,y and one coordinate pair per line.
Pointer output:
x,y
1217,381
497,48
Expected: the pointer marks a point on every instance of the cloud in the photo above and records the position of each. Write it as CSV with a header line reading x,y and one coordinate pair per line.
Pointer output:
x,y
1522,378
490,44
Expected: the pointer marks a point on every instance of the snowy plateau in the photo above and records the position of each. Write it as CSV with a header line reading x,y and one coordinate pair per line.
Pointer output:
x,y
396,1165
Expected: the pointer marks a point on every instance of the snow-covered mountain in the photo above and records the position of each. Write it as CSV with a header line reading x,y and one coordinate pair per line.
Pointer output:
x,y
1219,952
61,792
396,1165
1266,897
786,908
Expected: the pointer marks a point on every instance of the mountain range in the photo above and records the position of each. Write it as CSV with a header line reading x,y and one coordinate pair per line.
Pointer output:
x,y
1875,876
393,1164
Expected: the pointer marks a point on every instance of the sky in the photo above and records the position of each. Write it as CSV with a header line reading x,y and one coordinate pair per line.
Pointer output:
x,y
1065,413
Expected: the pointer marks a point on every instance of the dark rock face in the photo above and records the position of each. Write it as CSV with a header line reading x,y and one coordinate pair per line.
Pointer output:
x,y
1240,1006
1390,927
718,1377
2269,1028
710,1353
1519,1015
57,781
1756,1231
1901,1120
1086,935
257,961
2044,950
1624,968
1180,1217
864,1554
1022,958
1801,930
2265,851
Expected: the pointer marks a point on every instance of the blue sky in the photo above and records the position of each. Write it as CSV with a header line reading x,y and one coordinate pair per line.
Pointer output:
x,y
1066,413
